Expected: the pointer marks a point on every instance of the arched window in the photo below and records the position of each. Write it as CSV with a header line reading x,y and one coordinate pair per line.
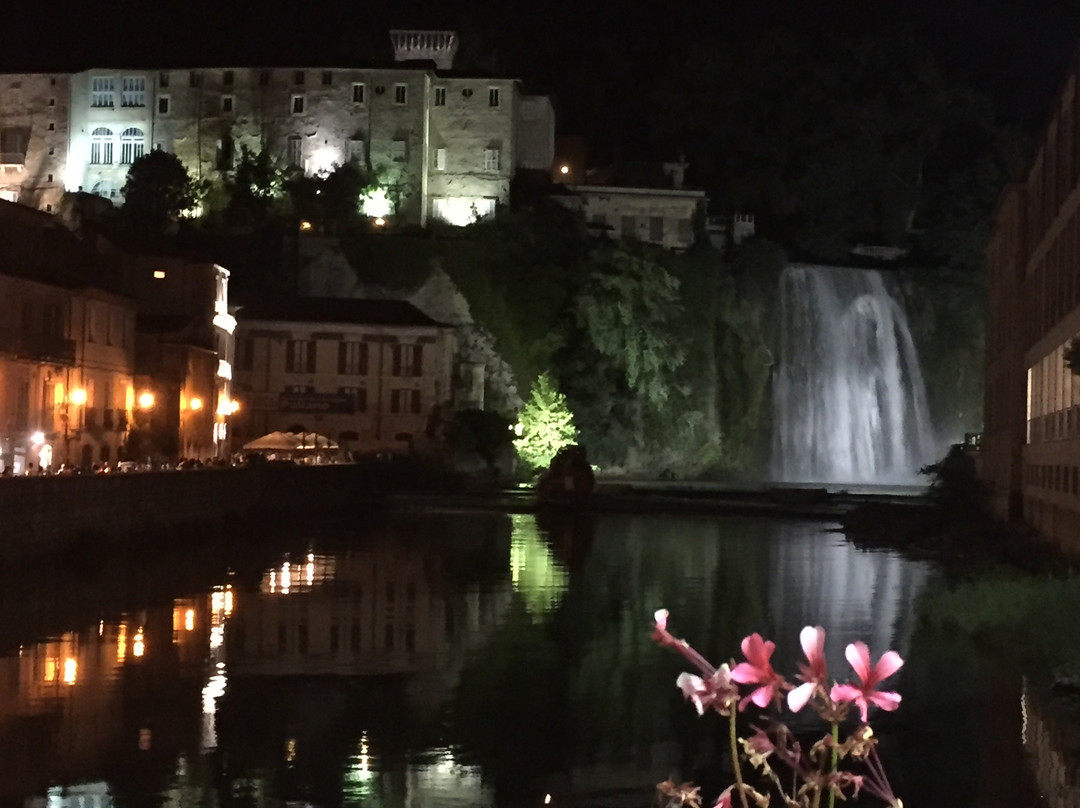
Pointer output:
x,y
132,145
101,146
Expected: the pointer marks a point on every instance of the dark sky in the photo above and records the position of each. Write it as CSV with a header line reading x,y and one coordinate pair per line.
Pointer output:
x,y
1016,49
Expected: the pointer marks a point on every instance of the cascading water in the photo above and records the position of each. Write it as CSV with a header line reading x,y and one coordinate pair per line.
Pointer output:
x,y
849,404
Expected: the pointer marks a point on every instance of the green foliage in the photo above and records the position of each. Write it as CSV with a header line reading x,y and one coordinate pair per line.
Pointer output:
x,y
628,308
257,181
486,433
329,201
548,425
157,191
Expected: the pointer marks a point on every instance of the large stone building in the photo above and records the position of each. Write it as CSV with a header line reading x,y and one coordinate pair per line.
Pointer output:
x,y
1030,450
441,144
365,373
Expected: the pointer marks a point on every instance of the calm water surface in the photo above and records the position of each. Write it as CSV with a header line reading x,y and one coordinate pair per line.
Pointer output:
x,y
464,659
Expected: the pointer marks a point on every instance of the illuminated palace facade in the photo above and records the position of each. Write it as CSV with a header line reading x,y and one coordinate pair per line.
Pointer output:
x,y
1030,454
441,145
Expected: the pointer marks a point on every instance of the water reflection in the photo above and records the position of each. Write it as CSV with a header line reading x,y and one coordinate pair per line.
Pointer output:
x,y
446,659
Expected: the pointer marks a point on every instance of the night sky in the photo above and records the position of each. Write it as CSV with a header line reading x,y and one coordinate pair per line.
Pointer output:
x,y
1017,50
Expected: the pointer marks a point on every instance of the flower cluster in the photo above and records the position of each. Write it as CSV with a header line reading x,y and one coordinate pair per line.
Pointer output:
x,y
817,771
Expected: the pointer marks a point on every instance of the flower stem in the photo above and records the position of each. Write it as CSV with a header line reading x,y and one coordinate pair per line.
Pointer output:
x,y
735,759
835,758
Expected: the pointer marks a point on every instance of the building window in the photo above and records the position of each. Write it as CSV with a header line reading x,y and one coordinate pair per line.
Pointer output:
x,y
264,78
295,153
327,78
297,105
163,105
163,79
298,77
440,159
227,102
132,145
52,127
656,228
101,91
133,91
195,79
491,159
401,93
397,151
440,96
358,93
493,96
685,230
359,396
227,78
407,360
300,356
226,151
101,146
353,358
52,102
629,226
404,401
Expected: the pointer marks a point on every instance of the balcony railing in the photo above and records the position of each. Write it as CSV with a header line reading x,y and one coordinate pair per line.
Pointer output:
x,y
42,347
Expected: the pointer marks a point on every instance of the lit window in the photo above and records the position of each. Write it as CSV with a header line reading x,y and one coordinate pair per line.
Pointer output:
x,y
491,159
132,145
440,159
159,274
297,104
401,93
101,91
358,93
101,146
440,96
493,96
133,91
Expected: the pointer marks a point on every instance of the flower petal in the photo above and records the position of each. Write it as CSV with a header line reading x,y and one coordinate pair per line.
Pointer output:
x,y
887,700
812,640
745,673
661,617
889,664
858,655
798,697
762,696
845,693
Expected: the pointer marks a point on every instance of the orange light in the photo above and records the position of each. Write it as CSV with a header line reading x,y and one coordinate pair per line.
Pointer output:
x,y
78,396
146,400
196,404
564,169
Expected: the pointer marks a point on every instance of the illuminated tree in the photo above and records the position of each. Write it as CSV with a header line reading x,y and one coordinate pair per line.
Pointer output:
x,y
547,425
256,182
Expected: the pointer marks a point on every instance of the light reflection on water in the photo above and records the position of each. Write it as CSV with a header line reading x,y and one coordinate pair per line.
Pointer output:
x,y
447,659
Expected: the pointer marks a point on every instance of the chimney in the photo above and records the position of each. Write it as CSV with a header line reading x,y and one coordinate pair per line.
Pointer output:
x,y
439,47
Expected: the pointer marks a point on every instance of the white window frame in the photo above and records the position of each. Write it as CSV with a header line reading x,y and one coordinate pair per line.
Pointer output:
x,y
359,92
101,146
401,94
440,159
494,97
133,91
296,104
440,97
492,159
294,153
102,92
132,145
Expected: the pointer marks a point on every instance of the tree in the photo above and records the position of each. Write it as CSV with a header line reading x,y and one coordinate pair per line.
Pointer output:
x,y
256,182
157,191
547,425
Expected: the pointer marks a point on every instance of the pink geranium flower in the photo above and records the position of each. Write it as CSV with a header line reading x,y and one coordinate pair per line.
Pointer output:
x,y
865,693
717,691
758,670
812,639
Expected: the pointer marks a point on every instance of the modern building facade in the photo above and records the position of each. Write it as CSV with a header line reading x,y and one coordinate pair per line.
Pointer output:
x,y
365,373
440,144
1030,448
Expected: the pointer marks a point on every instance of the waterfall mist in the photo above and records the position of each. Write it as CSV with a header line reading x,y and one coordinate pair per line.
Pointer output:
x,y
849,403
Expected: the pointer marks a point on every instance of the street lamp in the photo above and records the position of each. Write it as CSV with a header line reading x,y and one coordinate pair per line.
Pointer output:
x,y
78,398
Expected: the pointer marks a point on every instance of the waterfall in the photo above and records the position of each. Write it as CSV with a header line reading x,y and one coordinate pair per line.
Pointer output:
x,y
849,403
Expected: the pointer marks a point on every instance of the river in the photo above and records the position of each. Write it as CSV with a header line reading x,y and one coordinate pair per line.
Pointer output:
x,y
453,658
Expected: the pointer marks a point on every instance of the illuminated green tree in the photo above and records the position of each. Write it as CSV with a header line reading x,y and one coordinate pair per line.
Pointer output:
x,y
547,425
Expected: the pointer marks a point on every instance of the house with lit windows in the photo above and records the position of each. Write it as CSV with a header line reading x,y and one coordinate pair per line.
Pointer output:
x,y
441,144
365,373
1030,446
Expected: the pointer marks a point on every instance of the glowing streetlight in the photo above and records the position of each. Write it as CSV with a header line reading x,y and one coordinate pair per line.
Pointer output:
x,y
37,438
564,169
380,221
146,400
195,404
78,396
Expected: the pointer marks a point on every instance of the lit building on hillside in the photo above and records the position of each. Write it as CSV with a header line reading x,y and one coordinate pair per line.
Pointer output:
x,y
1030,447
440,144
